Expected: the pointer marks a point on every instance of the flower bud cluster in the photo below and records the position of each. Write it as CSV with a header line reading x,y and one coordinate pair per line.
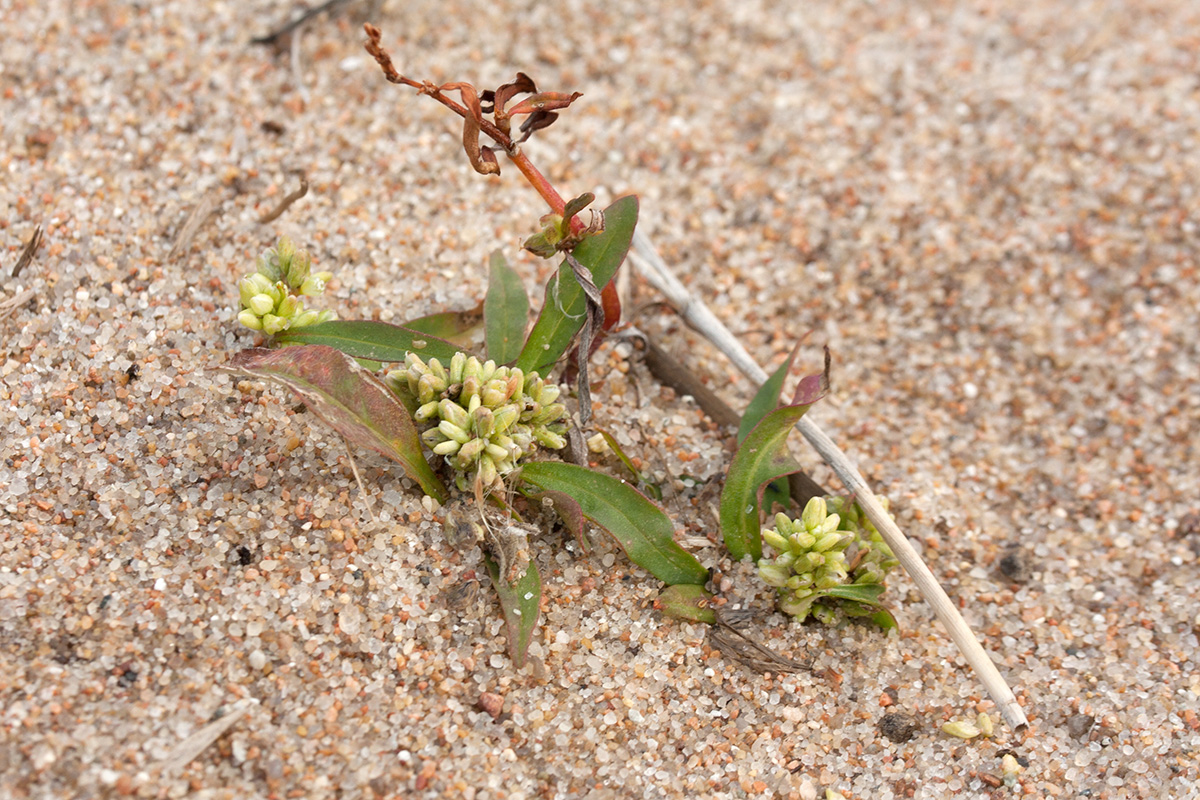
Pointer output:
x,y
271,295
482,418
821,550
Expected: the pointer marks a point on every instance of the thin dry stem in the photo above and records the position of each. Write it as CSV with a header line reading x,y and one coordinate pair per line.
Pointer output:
x,y
286,202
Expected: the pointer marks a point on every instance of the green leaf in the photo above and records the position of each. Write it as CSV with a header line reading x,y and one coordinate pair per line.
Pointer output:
x,y
505,312
453,326
866,596
350,400
377,341
766,399
643,485
762,457
522,605
564,307
640,527
687,602
860,593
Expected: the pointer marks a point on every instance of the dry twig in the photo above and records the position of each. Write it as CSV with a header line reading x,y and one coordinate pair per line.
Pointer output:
x,y
286,202
200,214
31,247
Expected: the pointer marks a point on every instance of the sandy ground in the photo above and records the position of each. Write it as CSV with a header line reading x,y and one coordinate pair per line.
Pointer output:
x,y
988,212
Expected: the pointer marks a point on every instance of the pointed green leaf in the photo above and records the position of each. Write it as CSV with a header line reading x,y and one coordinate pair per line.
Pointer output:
x,y
762,457
867,597
643,485
687,602
505,312
639,526
453,326
564,306
377,341
766,399
861,593
522,605
350,400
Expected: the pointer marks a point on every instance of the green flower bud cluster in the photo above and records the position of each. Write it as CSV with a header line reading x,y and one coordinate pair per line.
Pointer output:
x,y
870,555
271,295
822,550
482,418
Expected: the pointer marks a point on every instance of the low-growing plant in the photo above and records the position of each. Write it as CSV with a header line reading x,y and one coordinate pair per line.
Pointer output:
x,y
475,430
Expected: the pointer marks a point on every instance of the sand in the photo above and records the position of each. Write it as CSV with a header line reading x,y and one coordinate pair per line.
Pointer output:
x,y
988,213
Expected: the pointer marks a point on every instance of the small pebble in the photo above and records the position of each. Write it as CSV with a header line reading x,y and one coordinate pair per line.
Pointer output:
x,y
1015,565
1080,725
899,726
490,703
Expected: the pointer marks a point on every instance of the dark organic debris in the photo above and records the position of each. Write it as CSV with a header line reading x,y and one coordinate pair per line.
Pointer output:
x,y
899,726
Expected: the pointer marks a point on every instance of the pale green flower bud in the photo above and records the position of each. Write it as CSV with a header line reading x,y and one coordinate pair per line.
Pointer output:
x,y
984,723
457,362
261,304
273,324
471,451
307,318
487,470
433,437
549,414
312,286
440,372
797,607
426,411
498,453
549,439
453,413
289,307
783,524
452,431
447,448
773,575
428,388
1010,769
960,729
549,392
250,320
778,543
483,422
799,582
827,542
814,513
494,394
248,287
325,316
505,417
802,541
470,388
487,371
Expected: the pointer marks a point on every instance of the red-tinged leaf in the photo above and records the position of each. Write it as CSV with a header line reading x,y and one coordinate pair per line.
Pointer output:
x,y
640,527
762,457
687,602
350,400
521,603
766,399
565,307
377,341
505,312
544,101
